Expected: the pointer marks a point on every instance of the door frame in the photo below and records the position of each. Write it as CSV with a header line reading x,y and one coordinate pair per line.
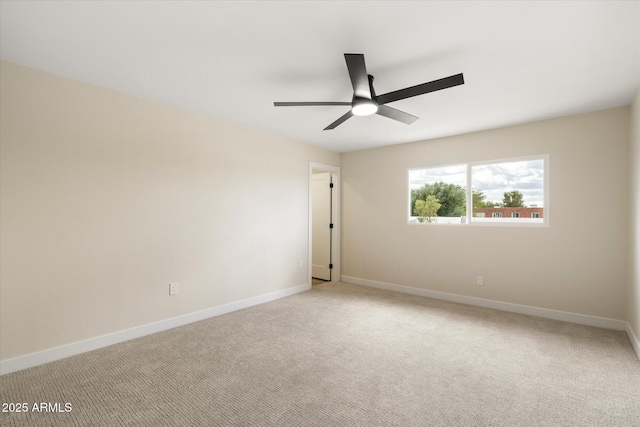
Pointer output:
x,y
335,216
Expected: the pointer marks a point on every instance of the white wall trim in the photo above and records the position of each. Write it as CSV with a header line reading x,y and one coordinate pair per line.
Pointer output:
x,y
635,342
34,359
601,322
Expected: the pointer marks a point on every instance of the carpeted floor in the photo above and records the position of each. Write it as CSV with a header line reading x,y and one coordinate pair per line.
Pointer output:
x,y
345,355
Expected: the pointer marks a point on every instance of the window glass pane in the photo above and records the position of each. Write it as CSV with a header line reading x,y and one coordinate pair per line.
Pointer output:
x,y
438,195
508,192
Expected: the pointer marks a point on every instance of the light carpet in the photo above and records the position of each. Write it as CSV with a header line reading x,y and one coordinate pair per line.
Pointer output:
x,y
345,355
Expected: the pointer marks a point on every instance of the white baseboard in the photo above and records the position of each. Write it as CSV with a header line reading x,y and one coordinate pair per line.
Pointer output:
x,y
635,342
27,361
582,319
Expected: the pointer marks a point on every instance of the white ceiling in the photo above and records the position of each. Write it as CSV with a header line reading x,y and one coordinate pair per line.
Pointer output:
x,y
522,61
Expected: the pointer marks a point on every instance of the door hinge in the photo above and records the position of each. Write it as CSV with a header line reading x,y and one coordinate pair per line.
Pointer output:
x,y
330,225
330,266
331,185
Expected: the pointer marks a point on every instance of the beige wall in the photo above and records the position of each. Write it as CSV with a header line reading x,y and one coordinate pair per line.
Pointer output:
x,y
633,310
107,198
577,264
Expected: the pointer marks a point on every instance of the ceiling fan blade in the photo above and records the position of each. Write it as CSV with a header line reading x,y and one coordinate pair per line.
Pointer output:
x,y
339,121
358,74
421,89
307,104
394,114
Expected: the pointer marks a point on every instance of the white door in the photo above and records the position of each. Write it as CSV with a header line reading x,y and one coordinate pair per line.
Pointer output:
x,y
321,233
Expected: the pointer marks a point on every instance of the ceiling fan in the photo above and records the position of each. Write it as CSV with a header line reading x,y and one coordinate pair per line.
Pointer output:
x,y
365,101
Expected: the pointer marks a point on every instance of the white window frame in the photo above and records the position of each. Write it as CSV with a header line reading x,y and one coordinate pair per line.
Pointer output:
x,y
469,217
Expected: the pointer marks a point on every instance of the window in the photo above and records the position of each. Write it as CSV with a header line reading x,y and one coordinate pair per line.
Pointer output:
x,y
438,195
513,188
510,191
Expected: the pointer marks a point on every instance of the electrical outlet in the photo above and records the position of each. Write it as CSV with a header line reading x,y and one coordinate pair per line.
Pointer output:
x,y
480,281
173,288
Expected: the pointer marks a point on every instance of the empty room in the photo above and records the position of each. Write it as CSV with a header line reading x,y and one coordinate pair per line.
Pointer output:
x,y
345,213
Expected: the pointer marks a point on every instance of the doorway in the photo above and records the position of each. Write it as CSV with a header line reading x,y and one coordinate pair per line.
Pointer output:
x,y
324,224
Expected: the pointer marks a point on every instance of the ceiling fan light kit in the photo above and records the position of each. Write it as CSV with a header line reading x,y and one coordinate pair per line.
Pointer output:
x,y
363,107
365,102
